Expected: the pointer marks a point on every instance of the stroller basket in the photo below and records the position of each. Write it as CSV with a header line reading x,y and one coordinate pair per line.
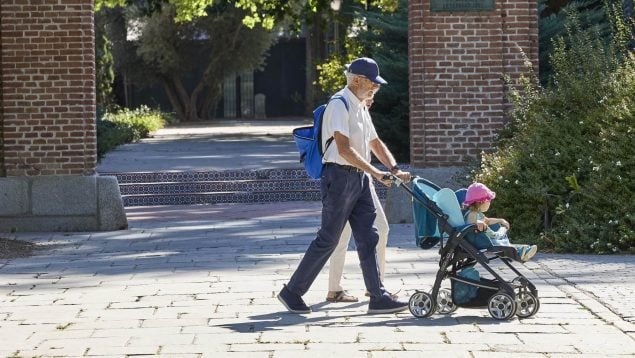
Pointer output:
x,y
483,294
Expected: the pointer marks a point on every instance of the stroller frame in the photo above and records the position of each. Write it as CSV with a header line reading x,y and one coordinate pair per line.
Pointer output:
x,y
504,299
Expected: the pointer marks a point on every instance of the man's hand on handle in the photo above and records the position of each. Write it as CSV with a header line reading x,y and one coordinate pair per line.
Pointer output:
x,y
384,178
398,177
405,177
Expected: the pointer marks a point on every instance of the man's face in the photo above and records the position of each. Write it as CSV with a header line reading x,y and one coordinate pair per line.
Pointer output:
x,y
366,88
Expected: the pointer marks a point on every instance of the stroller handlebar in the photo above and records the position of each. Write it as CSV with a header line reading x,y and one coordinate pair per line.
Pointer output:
x,y
395,179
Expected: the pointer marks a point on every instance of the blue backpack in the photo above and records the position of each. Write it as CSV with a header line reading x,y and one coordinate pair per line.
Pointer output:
x,y
309,141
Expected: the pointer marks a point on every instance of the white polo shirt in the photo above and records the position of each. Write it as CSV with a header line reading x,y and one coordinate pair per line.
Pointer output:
x,y
355,124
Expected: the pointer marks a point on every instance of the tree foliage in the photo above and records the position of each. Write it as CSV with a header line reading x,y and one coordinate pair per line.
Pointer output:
x,y
220,41
189,60
264,12
592,13
184,10
105,75
383,36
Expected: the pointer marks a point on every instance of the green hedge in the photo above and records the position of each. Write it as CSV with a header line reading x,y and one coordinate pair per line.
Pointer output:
x,y
126,126
563,168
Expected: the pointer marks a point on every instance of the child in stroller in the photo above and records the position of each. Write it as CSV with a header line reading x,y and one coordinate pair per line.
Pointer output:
x,y
477,200
438,217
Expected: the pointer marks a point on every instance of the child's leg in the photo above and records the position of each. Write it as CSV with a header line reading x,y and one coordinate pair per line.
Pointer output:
x,y
525,252
500,241
501,236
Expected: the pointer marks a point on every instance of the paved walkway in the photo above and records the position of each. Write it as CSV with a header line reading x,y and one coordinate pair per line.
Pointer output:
x,y
219,145
200,281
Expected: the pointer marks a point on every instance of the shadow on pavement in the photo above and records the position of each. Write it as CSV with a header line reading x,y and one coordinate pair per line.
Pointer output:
x,y
279,320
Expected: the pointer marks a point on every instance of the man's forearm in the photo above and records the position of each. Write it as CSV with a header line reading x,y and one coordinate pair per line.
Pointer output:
x,y
380,150
356,160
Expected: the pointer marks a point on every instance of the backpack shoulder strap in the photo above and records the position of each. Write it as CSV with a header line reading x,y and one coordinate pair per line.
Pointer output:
x,y
328,141
341,98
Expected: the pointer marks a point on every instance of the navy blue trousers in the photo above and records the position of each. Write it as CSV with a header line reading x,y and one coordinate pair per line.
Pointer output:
x,y
346,196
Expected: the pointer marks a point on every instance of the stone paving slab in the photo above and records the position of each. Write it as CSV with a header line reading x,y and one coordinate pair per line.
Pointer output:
x,y
200,281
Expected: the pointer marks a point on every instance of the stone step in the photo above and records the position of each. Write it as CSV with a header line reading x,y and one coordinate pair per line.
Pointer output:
x,y
226,197
237,174
220,186
212,187
220,197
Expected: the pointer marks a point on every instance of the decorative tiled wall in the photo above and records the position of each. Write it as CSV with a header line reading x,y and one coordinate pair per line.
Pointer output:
x,y
230,186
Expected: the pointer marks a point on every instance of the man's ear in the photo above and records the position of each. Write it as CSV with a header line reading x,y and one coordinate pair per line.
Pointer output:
x,y
355,81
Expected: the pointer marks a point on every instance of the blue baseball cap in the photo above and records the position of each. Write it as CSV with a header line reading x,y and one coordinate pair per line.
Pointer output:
x,y
366,67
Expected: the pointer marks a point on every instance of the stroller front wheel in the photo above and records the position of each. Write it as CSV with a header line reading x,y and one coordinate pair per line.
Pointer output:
x,y
528,304
501,306
421,304
445,305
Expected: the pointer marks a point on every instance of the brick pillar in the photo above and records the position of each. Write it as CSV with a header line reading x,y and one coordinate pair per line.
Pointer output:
x,y
48,88
47,135
457,97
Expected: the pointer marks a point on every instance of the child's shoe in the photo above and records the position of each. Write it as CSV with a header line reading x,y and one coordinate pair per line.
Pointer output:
x,y
526,252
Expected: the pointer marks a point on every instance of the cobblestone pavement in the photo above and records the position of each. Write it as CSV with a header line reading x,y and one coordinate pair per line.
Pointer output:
x,y
200,281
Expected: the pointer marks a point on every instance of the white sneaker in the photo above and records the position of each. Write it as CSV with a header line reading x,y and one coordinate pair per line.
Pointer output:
x,y
528,252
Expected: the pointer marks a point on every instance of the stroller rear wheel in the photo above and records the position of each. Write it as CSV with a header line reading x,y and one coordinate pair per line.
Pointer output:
x,y
501,306
421,304
445,305
528,304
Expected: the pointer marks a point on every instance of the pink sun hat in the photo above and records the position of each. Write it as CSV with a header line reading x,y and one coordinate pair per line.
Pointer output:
x,y
477,193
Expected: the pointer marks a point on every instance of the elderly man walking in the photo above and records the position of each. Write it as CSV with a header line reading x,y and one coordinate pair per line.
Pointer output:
x,y
346,192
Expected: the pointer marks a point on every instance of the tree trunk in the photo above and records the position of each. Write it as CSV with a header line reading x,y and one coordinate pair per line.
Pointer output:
x,y
174,101
204,106
126,97
187,106
211,98
210,79
194,100
189,111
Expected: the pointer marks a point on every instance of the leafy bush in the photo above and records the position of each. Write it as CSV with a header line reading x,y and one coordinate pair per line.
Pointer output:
x,y
126,126
561,169
110,135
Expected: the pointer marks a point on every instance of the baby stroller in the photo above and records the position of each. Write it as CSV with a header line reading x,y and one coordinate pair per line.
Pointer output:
x,y
438,219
